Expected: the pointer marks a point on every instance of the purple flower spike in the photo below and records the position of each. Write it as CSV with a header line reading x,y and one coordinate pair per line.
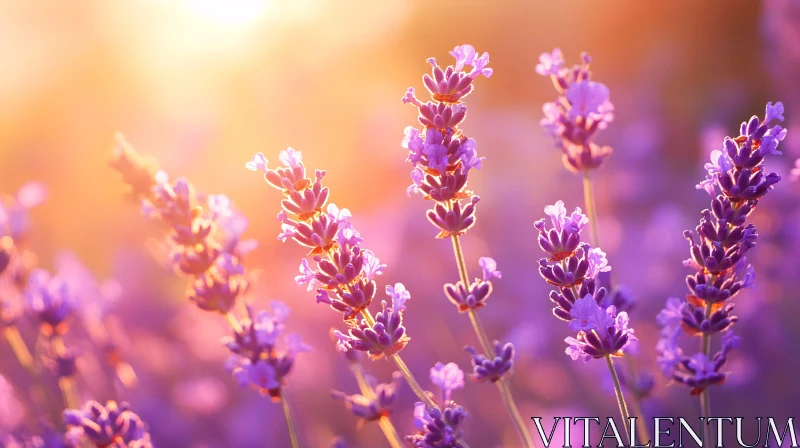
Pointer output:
x,y
262,355
564,238
580,111
372,410
109,425
387,335
736,181
438,428
495,368
551,64
50,300
447,377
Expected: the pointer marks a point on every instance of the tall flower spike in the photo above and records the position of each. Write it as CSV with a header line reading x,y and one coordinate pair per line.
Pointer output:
x,y
573,267
441,155
580,111
736,181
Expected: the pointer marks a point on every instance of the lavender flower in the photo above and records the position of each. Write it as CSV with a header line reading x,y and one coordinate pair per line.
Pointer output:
x,y
50,301
111,425
441,155
371,410
440,428
205,231
387,335
573,268
581,109
736,181
473,296
492,369
262,354
447,377
341,271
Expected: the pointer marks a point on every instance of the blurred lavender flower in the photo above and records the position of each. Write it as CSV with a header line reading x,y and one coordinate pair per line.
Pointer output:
x,y
50,301
447,377
14,219
111,425
262,354
581,109
371,410
795,173
736,181
205,231
441,428
573,268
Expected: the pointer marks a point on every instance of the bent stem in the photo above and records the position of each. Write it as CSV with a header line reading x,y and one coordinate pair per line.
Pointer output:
x,y
591,209
412,382
289,422
623,407
386,425
505,392
705,400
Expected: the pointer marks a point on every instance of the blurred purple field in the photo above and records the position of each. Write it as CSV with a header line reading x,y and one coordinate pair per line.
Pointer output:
x,y
150,270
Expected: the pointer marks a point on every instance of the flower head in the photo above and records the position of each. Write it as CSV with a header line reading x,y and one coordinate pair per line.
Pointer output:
x,y
110,425
447,377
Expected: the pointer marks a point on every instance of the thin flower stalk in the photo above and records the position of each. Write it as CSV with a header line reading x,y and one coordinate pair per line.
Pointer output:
x,y
736,182
337,267
442,157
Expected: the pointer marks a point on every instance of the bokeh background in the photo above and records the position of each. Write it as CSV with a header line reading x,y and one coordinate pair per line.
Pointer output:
x,y
203,84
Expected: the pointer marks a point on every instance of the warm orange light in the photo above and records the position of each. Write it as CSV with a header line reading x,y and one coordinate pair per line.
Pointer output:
x,y
228,12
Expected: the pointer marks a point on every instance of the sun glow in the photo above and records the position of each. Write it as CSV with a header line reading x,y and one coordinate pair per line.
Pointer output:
x,y
228,12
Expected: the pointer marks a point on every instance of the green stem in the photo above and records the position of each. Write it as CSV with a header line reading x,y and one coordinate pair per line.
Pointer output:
x,y
233,322
623,407
505,392
705,400
289,422
591,208
591,211
641,428
384,422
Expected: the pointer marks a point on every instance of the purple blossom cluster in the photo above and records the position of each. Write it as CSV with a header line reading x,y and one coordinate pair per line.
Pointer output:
x,y
342,272
372,409
441,155
262,355
736,181
111,426
441,428
206,245
204,230
580,111
572,267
